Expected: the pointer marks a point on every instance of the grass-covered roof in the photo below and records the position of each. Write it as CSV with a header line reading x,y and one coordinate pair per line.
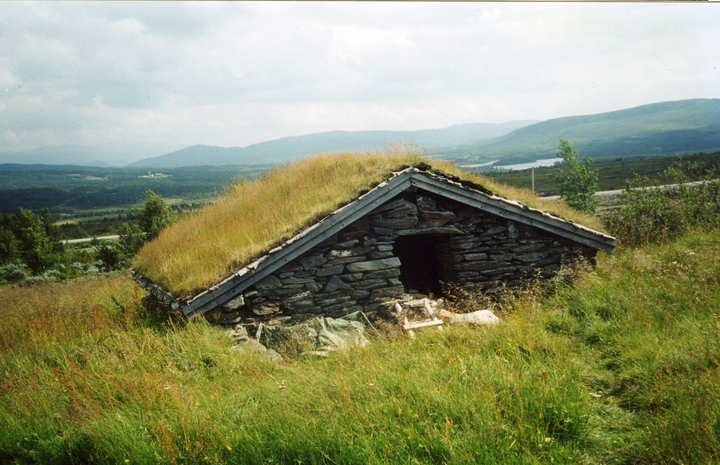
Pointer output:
x,y
255,216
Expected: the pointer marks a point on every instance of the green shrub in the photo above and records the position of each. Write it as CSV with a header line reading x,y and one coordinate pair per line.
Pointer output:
x,y
11,273
155,215
659,214
577,182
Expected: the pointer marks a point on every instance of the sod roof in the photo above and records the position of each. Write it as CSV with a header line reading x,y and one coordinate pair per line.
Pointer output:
x,y
254,217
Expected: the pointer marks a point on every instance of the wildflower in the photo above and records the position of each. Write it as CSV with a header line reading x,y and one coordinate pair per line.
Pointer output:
x,y
228,447
197,404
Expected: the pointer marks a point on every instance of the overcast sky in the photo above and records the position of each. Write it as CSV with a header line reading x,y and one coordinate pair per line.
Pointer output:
x,y
151,78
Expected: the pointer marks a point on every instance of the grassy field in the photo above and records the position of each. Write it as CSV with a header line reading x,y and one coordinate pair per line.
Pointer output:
x,y
619,368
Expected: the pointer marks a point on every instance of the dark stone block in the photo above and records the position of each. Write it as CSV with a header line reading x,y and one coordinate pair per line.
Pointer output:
x,y
338,306
326,302
331,270
351,235
360,294
374,265
313,287
335,283
383,274
378,255
532,257
367,284
308,312
291,281
475,256
479,265
468,274
494,230
350,278
268,283
389,206
525,248
313,261
397,223
266,308
394,292
304,273
337,261
425,204
345,311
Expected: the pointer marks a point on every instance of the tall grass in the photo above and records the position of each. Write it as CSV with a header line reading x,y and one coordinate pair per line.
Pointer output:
x,y
52,312
257,215
620,368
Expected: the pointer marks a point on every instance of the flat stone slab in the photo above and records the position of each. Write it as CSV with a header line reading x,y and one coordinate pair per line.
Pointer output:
x,y
374,265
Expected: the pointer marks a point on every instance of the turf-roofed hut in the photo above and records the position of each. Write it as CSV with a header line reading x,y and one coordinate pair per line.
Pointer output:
x,y
335,234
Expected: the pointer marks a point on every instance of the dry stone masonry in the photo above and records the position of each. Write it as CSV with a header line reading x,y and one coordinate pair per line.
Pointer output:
x,y
415,242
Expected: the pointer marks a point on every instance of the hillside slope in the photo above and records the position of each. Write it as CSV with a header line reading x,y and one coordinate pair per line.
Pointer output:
x,y
657,129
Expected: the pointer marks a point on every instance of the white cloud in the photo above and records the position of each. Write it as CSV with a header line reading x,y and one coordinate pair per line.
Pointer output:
x,y
156,77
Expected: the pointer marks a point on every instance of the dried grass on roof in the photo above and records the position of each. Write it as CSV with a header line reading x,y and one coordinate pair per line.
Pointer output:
x,y
255,216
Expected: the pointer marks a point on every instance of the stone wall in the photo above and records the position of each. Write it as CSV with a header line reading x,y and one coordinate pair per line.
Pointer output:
x,y
358,270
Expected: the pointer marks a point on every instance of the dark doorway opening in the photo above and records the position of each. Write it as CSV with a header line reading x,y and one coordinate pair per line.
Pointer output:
x,y
419,263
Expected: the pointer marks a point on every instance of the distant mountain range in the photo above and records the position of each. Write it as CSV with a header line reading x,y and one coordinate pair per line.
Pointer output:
x,y
292,148
77,155
663,128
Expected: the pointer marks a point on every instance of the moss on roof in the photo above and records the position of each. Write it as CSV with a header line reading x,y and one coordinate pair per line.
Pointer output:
x,y
255,216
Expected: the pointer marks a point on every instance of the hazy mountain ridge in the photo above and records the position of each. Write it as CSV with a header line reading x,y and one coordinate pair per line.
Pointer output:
x,y
78,155
294,147
662,128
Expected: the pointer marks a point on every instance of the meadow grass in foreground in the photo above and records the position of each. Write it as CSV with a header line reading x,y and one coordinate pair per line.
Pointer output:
x,y
255,216
622,367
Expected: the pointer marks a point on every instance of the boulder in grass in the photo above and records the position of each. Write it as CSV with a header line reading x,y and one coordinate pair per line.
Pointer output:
x,y
478,318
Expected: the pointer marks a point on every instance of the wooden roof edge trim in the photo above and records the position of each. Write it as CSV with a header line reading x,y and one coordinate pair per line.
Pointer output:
x,y
303,241
515,215
521,208
515,203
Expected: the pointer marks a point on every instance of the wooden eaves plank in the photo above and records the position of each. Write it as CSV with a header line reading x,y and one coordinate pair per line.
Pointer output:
x,y
295,247
514,212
